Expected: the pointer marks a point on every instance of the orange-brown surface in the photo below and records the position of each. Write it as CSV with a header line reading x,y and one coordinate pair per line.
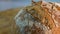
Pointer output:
x,y
48,9
56,30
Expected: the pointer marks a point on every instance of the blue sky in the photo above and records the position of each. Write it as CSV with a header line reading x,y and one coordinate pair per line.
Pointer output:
x,y
13,4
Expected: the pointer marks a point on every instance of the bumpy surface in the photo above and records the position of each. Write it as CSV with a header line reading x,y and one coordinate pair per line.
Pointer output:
x,y
48,14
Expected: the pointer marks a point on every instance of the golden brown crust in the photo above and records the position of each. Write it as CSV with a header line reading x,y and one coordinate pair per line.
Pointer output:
x,y
43,15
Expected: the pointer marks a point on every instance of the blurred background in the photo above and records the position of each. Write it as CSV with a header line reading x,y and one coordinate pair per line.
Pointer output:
x,y
7,4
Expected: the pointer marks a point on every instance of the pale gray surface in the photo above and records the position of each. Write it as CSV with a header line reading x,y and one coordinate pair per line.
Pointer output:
x,y
24,22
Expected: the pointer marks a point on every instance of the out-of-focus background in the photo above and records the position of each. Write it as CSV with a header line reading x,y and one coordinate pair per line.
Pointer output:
x,y
18,3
